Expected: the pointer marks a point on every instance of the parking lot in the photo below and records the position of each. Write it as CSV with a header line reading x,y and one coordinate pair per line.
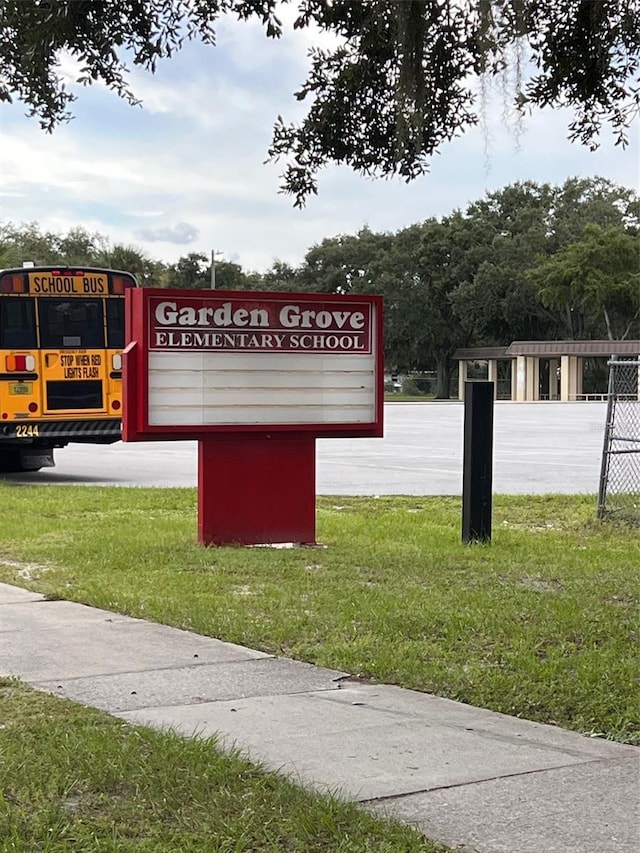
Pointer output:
x,y
538,448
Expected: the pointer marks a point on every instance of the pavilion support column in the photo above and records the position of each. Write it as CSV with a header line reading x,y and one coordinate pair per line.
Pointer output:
x,y
514,379
553,378
493,376
521,378
532,391
579,376
463,368
564,378
568,378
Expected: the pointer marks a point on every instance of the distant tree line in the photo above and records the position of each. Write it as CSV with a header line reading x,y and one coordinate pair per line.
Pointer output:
x,y
527,262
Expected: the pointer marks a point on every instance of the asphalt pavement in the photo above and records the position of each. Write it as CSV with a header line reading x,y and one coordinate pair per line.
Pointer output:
x,y
538,448
473,779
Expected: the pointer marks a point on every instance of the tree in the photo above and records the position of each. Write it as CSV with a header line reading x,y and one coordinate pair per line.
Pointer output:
x,y
281,276
416,271
509,231
229,276
398,84
148,273
20,244
343,264
581,201
517,228
78,247
599,275
401,82
192,270
417,277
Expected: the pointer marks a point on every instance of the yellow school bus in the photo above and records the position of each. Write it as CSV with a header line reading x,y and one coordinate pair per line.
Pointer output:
x,y
61,338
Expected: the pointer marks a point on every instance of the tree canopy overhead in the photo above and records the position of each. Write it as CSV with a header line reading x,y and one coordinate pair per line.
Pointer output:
x,y
399,83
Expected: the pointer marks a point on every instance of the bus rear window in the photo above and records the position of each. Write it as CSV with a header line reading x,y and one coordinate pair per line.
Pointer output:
x,y
71,323
17,323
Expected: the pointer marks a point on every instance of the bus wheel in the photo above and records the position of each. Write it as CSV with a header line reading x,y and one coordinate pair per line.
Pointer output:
x,y
10,461
21,459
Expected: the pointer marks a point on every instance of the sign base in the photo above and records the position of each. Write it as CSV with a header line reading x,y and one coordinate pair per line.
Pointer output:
x,y
257,489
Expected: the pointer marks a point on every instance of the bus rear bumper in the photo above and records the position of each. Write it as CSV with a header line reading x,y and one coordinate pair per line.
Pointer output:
x,y
60,433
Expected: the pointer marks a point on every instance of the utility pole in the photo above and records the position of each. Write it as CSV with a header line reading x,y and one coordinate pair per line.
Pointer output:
x,y
214,252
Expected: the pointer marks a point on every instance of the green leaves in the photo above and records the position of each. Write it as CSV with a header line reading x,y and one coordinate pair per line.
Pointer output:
x,y
523,227
396,87
77,246
400,84
600,274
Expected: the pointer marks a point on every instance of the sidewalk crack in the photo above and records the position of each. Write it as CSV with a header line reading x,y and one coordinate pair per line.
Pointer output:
x,y
391,797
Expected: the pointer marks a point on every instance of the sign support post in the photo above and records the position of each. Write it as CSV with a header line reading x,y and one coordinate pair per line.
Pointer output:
x,y
257,489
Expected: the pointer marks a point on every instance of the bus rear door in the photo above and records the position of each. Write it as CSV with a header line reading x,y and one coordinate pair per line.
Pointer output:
x,y
73,349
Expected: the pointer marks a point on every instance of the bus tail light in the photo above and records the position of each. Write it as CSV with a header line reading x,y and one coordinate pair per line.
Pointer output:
x,y
12,284
20,364
116,361
120,283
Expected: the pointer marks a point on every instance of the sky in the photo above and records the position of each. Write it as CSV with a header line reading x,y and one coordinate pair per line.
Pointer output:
x,y
187,172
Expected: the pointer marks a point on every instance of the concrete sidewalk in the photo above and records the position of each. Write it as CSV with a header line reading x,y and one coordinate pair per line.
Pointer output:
x,y
464,776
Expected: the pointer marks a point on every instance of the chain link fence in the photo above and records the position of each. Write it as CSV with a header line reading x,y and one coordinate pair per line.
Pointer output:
x,y
619,492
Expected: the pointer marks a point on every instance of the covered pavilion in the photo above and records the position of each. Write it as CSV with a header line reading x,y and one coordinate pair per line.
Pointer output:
x,y
544,370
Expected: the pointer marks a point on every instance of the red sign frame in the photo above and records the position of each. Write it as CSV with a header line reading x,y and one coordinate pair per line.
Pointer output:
x,y
286,324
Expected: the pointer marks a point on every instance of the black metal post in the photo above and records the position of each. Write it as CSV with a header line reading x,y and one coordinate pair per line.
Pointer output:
x,y
478,462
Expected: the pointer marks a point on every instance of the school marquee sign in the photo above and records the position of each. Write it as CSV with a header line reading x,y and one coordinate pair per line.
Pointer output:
x,y
253,375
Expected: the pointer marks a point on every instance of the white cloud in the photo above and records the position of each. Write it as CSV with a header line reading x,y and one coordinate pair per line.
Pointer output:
x,y
62,162
180,234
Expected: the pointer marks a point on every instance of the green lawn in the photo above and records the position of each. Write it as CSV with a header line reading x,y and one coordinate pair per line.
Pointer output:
x,y
542,623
